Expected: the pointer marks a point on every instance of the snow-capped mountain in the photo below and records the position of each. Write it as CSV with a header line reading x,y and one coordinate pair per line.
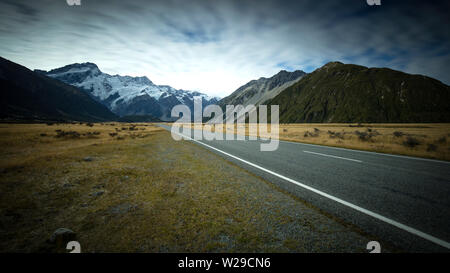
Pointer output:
x,y
125,95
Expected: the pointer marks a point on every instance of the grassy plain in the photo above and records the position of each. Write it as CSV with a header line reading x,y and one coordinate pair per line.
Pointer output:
x,y
132,188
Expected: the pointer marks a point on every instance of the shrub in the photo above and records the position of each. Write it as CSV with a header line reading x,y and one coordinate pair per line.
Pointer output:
x,y
442,140
364,136
367,135
336,134
91,134
411,142
68,134
398,134
89,124
113,134
309,134
431,148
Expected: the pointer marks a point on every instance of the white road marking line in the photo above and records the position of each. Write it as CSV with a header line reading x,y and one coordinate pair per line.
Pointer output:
x,y
333,156
361,151
338,200
368,152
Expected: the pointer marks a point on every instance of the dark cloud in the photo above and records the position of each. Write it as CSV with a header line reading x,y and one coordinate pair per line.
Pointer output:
x,y
218,45
23,8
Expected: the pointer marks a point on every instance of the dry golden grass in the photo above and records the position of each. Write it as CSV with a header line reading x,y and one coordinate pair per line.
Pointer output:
x,y
21,143
433,139
141,191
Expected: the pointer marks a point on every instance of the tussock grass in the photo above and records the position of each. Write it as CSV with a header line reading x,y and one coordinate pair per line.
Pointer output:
x,y
147,193
403,139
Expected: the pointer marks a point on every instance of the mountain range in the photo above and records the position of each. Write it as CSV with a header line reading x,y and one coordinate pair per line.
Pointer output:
x,y
125,95
335,92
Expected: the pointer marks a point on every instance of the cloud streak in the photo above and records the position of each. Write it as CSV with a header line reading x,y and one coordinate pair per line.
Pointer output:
x,y
217,46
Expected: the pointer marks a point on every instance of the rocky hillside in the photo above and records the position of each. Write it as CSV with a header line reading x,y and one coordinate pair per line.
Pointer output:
x,y
258,91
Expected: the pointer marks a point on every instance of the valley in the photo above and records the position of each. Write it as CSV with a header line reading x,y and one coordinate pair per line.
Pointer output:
x,y
131,188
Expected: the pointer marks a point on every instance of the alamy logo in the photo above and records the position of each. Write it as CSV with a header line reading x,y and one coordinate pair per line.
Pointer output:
x,y
235,117
374,247
74,246
73,2
374,2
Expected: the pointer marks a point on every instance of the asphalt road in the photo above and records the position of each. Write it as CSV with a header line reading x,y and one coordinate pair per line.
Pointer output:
x,y
403,202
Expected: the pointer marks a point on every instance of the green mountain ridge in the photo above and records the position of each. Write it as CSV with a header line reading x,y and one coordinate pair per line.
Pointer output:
x,y
339,93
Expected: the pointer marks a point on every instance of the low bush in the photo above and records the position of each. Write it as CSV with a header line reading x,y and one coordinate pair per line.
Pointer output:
x,y
309,134
91,134
431,148
336,134
442,140
411,142
364,136
68,134
367,135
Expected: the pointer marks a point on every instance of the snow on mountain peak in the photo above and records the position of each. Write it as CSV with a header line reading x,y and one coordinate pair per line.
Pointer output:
x,y
126,95
76,68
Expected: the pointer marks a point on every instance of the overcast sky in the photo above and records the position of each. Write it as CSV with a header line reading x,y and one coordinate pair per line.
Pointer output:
x,y
216,46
